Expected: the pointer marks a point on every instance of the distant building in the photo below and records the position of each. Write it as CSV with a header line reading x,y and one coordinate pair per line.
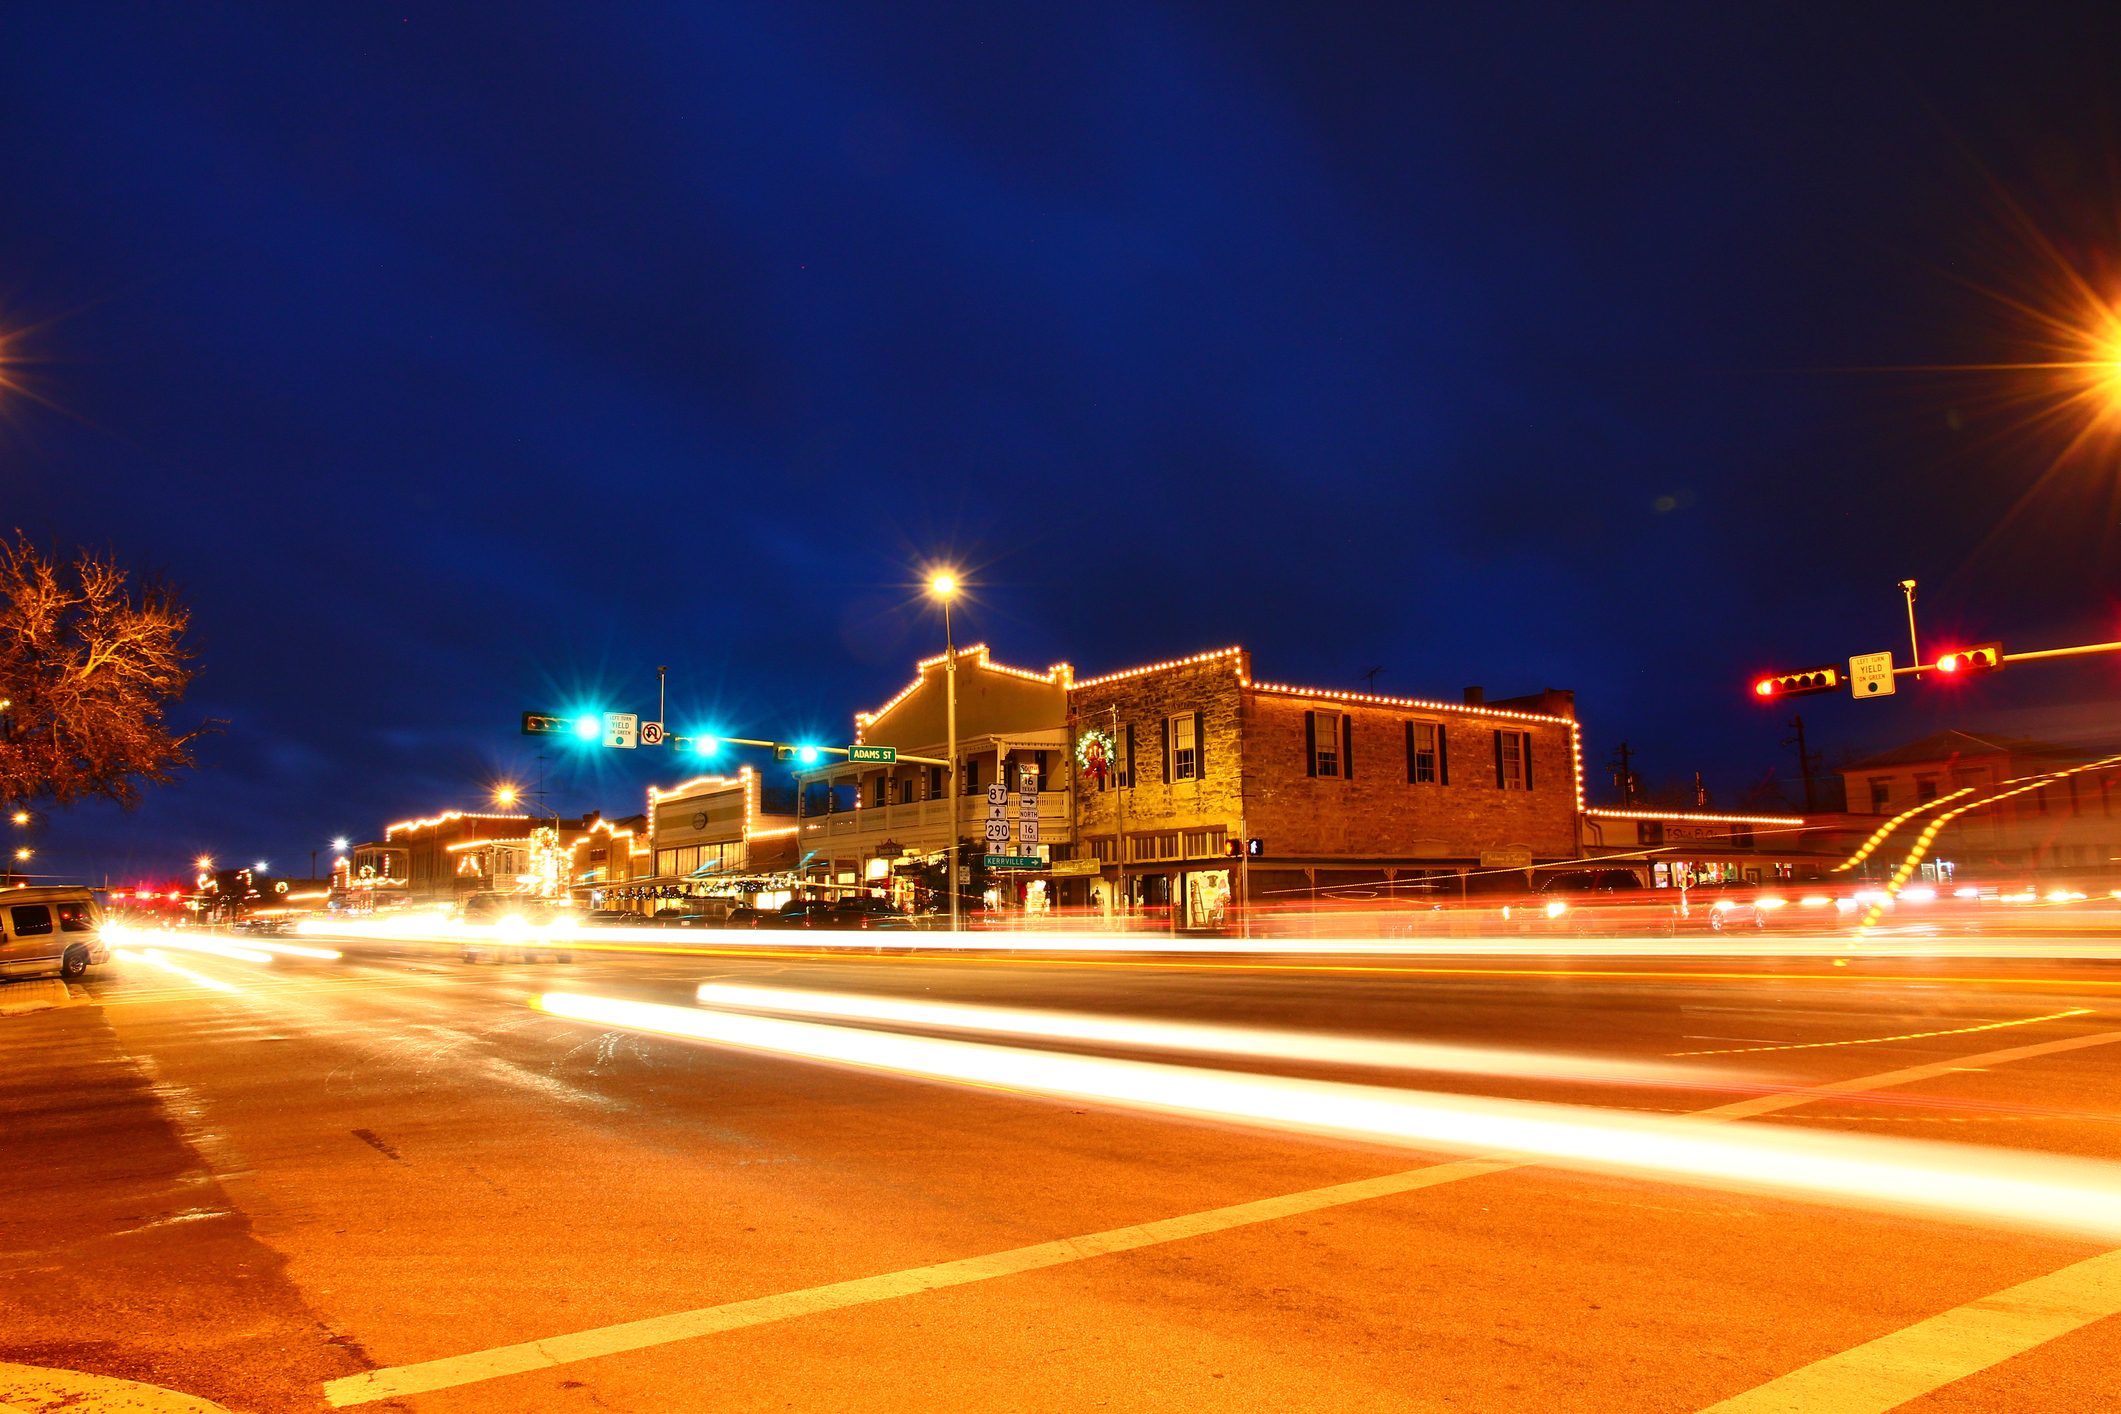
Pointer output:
x,y
2046,818
442,858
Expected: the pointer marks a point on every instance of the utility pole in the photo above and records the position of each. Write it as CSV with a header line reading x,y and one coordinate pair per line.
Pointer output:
x,y
1804,760
660,674
1623,769
950,710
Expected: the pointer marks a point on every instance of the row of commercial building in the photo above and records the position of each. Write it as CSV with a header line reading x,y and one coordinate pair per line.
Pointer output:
x,y
1188,785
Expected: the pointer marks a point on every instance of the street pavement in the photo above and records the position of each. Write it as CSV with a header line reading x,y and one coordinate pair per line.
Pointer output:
x,y
392,1181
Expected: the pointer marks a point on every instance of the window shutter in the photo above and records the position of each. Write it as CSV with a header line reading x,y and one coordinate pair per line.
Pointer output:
x,y
1443,759
1167,750
1527,758
1347,746
1499,784
1040,757
1410,751
1310,743
1130,755
1200,747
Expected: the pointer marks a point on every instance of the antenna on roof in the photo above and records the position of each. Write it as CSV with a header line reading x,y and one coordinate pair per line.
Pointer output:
x,y
1369,677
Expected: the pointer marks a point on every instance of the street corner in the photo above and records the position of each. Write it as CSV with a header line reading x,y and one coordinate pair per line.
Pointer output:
x,y
34,1389
33,994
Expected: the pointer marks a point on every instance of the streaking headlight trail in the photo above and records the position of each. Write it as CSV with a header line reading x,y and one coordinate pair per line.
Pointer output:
x,y
2076,1196
1249,1042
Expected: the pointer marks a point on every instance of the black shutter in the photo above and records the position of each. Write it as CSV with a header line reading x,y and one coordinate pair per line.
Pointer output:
x,y
1200,748
1527,757
1130,755
1166,724
1040,757
1410,752
1310,743
1443,759
1499,782
1347,746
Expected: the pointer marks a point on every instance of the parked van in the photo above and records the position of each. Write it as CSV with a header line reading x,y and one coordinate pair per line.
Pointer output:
x,y
50,929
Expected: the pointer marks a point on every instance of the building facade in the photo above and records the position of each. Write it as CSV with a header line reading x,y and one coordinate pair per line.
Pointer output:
x,y
1199,784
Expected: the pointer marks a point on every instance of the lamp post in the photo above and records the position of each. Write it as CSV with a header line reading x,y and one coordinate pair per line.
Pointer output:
x,y
944,587
1914,647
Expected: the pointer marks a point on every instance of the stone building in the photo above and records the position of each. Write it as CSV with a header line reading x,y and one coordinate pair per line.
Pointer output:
x,y
1196,779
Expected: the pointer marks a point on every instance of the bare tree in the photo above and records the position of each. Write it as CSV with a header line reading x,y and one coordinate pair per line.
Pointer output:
x,y
90,667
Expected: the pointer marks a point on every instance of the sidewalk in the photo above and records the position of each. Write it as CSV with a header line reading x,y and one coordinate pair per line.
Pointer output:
x,y
32,994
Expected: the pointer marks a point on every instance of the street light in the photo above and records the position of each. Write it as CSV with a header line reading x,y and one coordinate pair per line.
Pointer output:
x,y
204,863
20,817
944,587
24,852
504,795
340,844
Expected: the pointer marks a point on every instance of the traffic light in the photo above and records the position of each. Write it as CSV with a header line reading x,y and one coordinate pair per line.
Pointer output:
x,y
589,727
1966,662
801,755
1796,684
1233,849
707,745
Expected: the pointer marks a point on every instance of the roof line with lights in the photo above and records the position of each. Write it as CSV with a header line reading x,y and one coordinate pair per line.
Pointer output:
x,y
1685,817
390,831
1059,675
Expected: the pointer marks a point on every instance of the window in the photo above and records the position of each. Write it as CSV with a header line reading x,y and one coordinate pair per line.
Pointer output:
x,y
1125,765
1183,733
74,918
1326,744
1204,844
972,778
1513,760
1425,754
935,782
1160,845
905,791
1925,788
1101,848
32,920
1881,796
883,788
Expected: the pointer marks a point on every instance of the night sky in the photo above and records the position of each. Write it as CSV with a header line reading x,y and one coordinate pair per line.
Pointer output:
x,y
458,360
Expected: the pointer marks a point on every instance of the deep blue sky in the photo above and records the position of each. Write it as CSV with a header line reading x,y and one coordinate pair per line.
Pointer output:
x,y
462,359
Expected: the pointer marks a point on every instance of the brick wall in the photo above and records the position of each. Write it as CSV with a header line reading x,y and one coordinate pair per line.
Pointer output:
x,y
1254,782
1375,812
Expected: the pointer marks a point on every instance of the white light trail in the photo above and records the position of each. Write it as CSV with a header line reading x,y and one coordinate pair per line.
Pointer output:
x,y
156,956
1251,1042
2076,1196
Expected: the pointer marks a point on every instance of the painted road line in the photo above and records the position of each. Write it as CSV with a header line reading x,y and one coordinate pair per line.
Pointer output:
x,y
1888,1372
1882,1040
451,1371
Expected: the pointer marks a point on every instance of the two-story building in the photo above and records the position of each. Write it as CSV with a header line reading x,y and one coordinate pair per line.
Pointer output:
x,y
1198,781
883,826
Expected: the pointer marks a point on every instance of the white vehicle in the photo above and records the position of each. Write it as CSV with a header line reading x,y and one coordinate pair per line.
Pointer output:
x,y
50,929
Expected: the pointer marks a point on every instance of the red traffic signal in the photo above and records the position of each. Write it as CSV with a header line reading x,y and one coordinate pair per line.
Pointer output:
x,y
1794,684
1963,662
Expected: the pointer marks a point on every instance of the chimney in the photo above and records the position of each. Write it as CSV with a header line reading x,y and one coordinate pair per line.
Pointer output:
x,y
1475,696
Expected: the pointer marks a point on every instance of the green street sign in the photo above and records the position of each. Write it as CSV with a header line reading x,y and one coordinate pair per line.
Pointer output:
x,y
1015,861
884,755
546,724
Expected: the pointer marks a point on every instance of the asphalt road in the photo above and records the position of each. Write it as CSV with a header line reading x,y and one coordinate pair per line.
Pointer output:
x,y
391,1181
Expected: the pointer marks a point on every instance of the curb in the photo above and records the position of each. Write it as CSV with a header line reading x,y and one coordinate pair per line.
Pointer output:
x,y
19,999
31,1389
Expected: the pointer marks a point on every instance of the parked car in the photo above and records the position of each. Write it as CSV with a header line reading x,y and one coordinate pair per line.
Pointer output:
x,y
868,913
1598,901
800,913
1722,907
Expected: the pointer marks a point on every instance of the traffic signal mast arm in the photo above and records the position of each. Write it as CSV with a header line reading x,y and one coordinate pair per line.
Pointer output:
x,y
683,742
1973,660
